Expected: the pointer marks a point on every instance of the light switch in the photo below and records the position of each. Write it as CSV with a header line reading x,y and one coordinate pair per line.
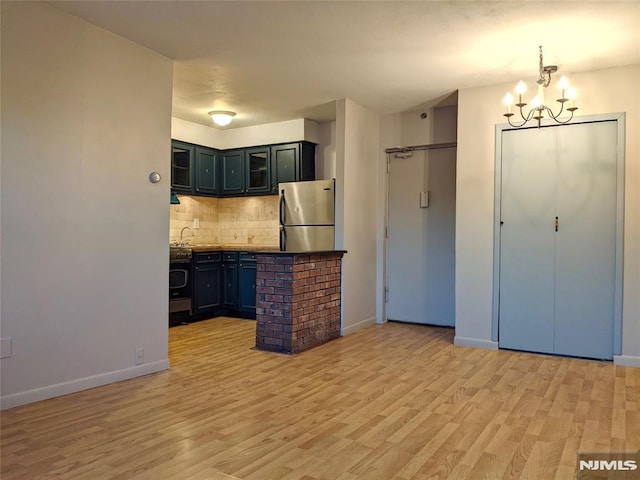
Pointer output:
x,y
196,223
424,199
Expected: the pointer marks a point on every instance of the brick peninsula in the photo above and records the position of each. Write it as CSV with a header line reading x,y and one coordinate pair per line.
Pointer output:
x,y
297,299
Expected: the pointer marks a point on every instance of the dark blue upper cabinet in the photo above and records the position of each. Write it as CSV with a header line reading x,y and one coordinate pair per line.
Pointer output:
x,y
257,168
232,169
182,163
292,162
207,172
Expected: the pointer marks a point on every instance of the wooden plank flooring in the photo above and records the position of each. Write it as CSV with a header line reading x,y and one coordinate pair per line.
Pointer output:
x,y
391,402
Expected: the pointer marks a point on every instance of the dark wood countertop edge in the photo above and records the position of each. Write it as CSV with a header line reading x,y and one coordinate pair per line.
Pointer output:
x,y
259,250
229,248
296,253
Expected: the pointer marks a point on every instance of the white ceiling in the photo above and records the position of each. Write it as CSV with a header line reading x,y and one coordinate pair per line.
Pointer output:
x,y
278,60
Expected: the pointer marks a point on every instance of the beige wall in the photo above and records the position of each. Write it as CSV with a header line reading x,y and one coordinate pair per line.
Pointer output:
x,y
357,223
85,119
226,221
268,133
480,109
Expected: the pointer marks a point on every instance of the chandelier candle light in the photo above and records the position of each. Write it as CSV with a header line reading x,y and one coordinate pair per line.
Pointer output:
x,y
568,94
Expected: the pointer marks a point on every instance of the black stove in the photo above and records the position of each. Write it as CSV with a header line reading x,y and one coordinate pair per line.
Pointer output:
x,y
179,253
180,284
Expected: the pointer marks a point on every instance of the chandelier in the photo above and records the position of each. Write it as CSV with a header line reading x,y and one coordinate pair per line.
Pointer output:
x,y
538,107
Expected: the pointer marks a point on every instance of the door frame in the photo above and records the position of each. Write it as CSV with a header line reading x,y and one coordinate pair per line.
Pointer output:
x,y
619,118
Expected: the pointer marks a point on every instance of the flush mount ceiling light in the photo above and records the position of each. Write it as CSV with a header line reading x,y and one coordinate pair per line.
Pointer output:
x,y
538,108
222,117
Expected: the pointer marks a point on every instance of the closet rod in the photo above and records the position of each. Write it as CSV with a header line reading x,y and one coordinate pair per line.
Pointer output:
x,y
431,146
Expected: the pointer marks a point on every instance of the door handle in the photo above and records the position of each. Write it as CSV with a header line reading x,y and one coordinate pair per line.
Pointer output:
x,y
557,224
282,209
283,239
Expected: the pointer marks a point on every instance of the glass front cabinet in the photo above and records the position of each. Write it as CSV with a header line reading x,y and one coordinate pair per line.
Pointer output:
x,y
257,166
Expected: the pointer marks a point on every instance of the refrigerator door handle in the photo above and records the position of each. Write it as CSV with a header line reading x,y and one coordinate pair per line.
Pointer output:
x,y
283,239
282,209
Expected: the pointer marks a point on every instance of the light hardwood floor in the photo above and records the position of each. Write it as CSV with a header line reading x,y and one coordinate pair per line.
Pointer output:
x,y
391,402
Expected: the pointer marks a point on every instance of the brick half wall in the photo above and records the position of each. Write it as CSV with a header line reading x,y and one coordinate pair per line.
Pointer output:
x,y
297,300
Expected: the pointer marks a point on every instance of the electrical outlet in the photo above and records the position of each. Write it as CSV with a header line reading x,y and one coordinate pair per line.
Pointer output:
x,y
5,347
196,223
139,355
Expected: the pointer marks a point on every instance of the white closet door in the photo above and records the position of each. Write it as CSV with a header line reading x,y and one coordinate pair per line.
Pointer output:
x,y
557,288
528,198
586,239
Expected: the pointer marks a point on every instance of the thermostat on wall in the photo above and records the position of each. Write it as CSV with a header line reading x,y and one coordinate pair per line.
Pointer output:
x,y
154,177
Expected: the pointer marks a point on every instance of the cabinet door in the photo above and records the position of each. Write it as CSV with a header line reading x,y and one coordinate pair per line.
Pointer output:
x,y
230,287
233,172
207,286
257,167
247,287
206,171
284,164
182,155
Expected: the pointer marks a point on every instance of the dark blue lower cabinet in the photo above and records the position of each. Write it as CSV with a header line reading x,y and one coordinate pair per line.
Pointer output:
x,y
230,286
224,284
207,278
207,286
247,287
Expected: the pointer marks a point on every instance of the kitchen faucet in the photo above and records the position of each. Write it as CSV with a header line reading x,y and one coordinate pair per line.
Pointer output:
x,y
182,233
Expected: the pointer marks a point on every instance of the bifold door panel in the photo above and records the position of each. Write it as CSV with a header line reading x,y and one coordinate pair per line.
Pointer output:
x,y
527,240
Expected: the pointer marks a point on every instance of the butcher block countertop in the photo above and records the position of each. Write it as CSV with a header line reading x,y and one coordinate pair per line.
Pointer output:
x,y
235,248
273,249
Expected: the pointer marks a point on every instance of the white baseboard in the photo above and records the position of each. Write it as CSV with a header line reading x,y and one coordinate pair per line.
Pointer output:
x,y
357,326
475,342
626,361
72,386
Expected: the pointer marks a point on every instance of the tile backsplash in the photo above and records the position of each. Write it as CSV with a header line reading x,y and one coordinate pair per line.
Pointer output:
x,y
226,221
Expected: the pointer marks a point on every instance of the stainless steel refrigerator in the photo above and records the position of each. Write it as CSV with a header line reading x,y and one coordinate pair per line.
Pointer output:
x,y
307,215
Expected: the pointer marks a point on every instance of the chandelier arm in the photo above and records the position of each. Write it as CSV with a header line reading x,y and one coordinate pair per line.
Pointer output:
x,y
565,121
529,115
558,114
514,125
524,119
